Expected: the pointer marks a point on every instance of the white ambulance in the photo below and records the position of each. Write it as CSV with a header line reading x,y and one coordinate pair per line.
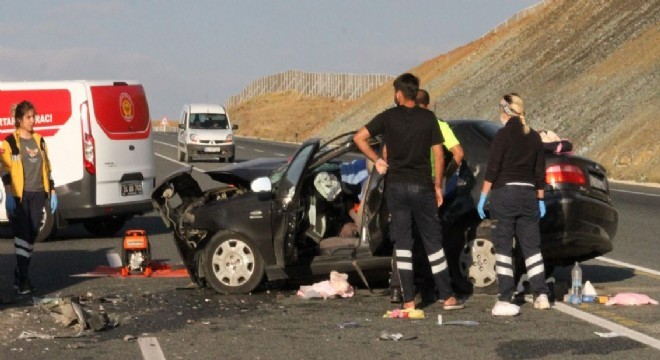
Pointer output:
x,y
100,145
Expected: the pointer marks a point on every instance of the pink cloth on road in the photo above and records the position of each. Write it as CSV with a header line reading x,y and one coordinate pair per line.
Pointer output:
x,y
630,299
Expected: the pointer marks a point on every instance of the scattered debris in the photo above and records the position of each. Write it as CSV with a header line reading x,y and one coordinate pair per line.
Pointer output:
x,y
405,314
607,335
350,324
461,322
336,286
630,299
36,335
386,335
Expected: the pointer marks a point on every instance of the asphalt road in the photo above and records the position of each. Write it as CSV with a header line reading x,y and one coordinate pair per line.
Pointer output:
x,y
273,324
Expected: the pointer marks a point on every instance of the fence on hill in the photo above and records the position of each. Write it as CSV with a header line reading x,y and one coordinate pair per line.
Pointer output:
x,y
341,86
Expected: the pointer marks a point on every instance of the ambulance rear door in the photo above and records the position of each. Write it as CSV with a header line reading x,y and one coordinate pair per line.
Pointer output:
x,y
123,159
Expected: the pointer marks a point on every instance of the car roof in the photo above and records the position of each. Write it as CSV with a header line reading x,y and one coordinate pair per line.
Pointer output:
x,y
206,109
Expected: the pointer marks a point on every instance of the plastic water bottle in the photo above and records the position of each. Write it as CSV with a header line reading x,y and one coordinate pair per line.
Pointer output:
x,y
576,284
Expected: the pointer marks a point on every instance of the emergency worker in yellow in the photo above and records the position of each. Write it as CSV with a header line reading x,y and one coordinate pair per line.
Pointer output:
x,y
26,175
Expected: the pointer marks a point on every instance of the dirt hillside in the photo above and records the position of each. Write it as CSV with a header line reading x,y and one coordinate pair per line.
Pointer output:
x,y
587,70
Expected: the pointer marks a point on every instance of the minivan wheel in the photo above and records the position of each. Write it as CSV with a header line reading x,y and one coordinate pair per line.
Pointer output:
x,y
233,264
477,261
104,226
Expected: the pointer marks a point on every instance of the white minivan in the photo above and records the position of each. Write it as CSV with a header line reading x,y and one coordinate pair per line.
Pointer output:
x,y
205,132
100,146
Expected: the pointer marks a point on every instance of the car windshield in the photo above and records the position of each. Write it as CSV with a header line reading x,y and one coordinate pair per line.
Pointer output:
x,y
209,121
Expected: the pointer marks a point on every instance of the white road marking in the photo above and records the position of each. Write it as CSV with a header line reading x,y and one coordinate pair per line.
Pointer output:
x,y
150,348
114,260
634,192
164,143
278,154
628,265
637,336
257,150
240,147
174,161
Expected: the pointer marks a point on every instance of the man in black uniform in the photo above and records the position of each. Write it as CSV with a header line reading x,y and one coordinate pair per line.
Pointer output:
x,y
411,194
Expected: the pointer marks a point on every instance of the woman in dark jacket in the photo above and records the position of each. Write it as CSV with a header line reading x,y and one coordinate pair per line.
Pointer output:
x,y
516,175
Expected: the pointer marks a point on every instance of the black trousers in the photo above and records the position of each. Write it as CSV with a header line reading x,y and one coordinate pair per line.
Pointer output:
x,y
515,210
25,224
414,204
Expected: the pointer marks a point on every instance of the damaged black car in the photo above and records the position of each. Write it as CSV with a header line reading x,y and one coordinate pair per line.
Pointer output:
x,y
276,219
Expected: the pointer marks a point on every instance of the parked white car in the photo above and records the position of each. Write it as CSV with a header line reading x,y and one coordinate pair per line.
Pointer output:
x,y
205,132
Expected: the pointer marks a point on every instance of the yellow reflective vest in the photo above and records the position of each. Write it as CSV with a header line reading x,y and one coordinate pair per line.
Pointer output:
x,y
13,166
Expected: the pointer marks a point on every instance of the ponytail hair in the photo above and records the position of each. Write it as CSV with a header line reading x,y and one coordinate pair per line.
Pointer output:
x,y
512,105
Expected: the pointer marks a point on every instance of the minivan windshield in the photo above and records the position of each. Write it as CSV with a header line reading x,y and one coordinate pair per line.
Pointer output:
x,y
209,121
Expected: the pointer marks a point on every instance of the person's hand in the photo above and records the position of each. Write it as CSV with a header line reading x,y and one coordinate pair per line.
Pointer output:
x,y
542,207
438,196
53,203
381,166
10,204
480,206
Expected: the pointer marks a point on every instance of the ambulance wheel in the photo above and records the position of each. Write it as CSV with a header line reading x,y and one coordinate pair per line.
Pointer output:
x,y
104,226
233,264
47,226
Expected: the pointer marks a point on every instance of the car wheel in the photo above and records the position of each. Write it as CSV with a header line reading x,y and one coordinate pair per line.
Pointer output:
x,y
477,261
104,227
47,226
233,264
231,159
179,154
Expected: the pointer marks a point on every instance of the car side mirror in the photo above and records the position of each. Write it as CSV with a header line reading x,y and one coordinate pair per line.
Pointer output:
x,y
234,127
261,184
182,126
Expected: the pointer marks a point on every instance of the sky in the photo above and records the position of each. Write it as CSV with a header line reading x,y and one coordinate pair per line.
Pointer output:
x,y
193,51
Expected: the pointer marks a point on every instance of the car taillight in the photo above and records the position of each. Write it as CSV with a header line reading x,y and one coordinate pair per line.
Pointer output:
x,y
564,174
89,160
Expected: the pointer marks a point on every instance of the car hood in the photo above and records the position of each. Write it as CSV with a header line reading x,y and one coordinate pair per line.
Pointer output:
x,y
212,134
243,173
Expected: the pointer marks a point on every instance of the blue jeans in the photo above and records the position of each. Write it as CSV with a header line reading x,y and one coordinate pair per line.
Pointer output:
x,y
416,204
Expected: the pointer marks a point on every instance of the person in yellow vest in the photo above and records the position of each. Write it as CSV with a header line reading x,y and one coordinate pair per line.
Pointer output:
x,y
28,185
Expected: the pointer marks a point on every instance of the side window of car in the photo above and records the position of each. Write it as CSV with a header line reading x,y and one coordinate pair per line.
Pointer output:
x,y
295,170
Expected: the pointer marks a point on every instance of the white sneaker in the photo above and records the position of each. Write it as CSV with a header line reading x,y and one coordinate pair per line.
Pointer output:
x,y
504,308
542,302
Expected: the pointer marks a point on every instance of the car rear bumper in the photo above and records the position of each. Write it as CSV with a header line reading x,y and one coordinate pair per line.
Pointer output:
x,y
205,150
577,227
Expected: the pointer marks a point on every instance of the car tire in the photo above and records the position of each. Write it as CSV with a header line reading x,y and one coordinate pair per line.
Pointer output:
x,y
231,159
47,226
477,261
233,264
105,226
179,154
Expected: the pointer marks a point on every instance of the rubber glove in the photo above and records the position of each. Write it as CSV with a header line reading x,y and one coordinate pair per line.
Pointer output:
x,y
10,204
542,207
53,203
480,206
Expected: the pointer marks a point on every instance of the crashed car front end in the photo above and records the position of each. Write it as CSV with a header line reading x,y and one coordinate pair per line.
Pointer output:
x,y
178,199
